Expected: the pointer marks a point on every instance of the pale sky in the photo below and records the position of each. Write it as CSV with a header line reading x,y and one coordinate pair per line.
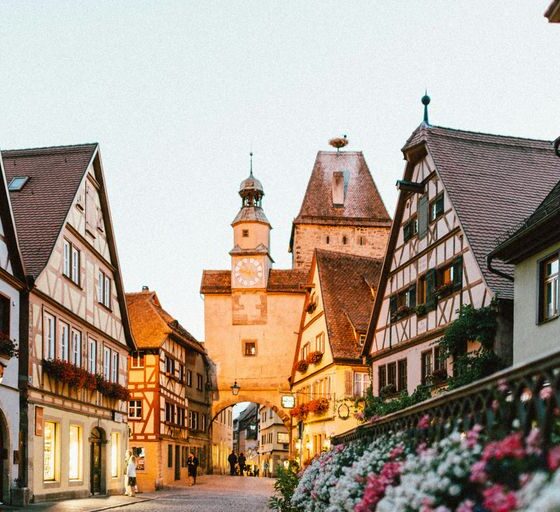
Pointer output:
x,y
178,92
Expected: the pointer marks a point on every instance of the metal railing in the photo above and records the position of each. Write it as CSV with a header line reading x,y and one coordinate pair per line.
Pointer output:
x,y
517,398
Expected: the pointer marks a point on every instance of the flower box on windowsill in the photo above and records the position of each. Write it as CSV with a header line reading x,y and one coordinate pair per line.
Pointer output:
x,y
421,310
318,406
388,391
314,357
7,348
302,365
438,377
443,290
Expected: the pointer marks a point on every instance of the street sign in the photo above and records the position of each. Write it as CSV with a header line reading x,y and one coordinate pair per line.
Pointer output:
x,y
288,401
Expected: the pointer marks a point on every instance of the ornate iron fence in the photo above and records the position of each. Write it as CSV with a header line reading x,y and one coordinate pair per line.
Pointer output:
x,y
521,397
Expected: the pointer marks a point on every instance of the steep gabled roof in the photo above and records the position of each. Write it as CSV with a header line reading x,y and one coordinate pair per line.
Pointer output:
x,y
279,280
152,325
41,207
493,182
362,202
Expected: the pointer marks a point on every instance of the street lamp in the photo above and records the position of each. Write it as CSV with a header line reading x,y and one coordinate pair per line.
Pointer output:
x,y
235,389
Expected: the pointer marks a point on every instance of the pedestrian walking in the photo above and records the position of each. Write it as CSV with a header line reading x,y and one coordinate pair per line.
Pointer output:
x,y
232,459
241,460
192,467
265,467
131,475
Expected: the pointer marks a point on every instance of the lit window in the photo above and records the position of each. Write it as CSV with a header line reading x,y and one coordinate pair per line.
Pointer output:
x,y
115,441
50,449
76,354
250,348
361,383
106,363
49,337
135,409
550,288
92,364
282,438
17,183
104,289
75,452
64,338
115,367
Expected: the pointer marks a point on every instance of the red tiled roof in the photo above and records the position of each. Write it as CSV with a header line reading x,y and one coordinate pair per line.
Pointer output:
x,y
279,280
41,207
362,203
152,325
346,282
493,181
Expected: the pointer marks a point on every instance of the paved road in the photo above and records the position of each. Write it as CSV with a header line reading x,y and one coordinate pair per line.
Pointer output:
x,y
212,494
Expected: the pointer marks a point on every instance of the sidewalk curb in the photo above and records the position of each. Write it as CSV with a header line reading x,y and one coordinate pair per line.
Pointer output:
x,y
110,507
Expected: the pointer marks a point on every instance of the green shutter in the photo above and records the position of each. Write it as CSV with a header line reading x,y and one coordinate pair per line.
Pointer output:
x,y
423,209
412,296
458,273
393,304
430,286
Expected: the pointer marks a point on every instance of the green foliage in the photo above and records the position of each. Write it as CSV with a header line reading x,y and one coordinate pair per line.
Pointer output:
x,y
377,406
474,366
284,488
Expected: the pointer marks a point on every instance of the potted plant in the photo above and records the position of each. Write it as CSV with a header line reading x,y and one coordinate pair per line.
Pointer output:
x,y
7,348
318,405
421,310
302,365
402,311
314,357
443,290
438,376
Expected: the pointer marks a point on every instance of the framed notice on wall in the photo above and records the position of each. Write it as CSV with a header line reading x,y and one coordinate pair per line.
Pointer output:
x,y
38,421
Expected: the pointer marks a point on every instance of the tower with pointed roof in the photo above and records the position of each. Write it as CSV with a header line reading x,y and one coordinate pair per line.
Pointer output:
x,y
342,210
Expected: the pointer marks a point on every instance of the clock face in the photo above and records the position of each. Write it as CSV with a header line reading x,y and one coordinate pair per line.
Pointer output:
x,y
248,271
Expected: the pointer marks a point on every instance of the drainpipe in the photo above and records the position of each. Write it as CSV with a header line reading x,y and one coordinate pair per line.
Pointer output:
x,y
489,259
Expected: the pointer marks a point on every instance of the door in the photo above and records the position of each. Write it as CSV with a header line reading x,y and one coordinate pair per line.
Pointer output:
x,y
177,462
95,461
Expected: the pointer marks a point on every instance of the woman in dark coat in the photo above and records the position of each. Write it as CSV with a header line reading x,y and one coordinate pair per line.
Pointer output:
x,y
192,467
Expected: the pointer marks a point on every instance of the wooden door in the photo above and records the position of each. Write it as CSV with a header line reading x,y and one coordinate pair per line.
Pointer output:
x,y
177,462
95,462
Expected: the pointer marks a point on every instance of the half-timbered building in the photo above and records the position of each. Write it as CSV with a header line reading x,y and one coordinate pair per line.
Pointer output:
x,y
328,372
76,342
459,191
169,397
11,285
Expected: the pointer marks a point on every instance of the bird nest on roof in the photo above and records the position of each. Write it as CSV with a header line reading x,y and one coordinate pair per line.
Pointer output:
x,y
338,142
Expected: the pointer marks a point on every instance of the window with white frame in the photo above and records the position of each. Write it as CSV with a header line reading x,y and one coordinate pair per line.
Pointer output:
x,y
203,422
106,363
92,356
135,409
193,420
362,383
104,289
64,339
115,367
71,262
50,333
320,342
76,352
75,453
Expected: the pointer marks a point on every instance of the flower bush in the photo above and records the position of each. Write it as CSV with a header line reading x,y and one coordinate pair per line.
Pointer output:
x,y
302,365
7,346
299,411
463,472
318,405
314,357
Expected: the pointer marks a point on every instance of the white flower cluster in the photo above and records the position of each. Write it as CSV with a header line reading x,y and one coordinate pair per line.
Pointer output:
x,y
541,494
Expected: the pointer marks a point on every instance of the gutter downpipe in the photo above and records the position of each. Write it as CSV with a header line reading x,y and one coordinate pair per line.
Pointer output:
x,y
489,259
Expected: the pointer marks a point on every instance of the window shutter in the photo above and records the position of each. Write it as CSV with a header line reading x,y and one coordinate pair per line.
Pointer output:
x,y
458,273
430,286
423,208
412,296
393,304
348,383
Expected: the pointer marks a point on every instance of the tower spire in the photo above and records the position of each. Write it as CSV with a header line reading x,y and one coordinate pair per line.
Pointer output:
x,y
426,101
251,164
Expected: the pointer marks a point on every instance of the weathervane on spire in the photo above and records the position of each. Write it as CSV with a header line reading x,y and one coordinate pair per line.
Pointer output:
x,y
251,164
426,101
339,142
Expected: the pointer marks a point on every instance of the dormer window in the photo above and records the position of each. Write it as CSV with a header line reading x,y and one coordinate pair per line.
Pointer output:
x,y
338,188
17,183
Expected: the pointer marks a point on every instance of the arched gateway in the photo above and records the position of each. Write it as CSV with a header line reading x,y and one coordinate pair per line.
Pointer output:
x,y
252,313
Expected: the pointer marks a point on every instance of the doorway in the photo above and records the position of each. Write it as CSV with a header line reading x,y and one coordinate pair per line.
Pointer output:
x,y
3,456
96,461
177,462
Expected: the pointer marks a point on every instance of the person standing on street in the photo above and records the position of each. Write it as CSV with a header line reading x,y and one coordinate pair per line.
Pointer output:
x,y
265,467
232,459
192,467
241,459
131,475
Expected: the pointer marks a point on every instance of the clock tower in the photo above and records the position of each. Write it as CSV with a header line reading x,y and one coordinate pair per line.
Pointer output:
x,y
250,256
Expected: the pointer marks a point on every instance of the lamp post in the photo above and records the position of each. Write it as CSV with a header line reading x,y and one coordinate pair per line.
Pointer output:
x,y
235,389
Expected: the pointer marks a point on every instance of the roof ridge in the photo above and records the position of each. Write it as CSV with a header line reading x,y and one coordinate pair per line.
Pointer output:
x,y
456,132
47,149
346,254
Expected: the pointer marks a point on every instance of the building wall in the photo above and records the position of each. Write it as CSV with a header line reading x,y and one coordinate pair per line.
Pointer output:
x,y
272,452
530,339
222,441
360,241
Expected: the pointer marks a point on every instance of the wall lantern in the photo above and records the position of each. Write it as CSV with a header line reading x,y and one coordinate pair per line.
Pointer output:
x,y
235,389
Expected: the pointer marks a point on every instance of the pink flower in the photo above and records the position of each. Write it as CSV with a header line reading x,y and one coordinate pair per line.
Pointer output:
x,y
546,393
359,416
533,442
473,435
424,421
511,446
421,448
478,472
503,385
497,499
376,486
466,506
553,458
396,452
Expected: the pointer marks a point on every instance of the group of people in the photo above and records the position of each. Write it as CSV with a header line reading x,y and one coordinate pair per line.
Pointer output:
x,y
237,464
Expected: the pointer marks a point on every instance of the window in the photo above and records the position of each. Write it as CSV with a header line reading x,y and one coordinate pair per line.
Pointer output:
x,y
410,229
92,361
422,209
549,288
104,289
181,416
193,420
169,455
402,304
135,409
392,374
189,378
199,382
245,233
436,208
361,383
71,262
115,454
249,348
450,275
402,375
64,338
169,365
181,372
203,422
50,451
115,367
75,453
76,354
427,365
49,337
439,362
381,377
305,350
169,412
344,240
362,339
362,240
328,240
106,363
17,183
320,343
282,438
138,360
5,304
